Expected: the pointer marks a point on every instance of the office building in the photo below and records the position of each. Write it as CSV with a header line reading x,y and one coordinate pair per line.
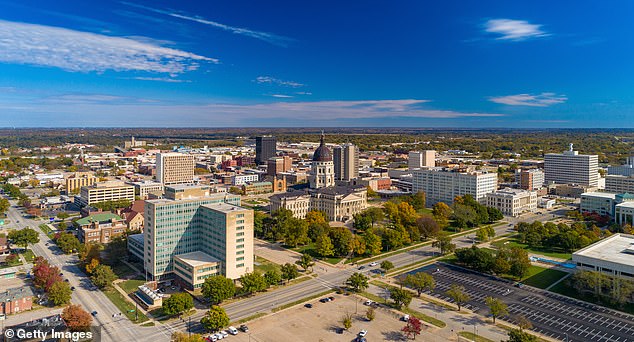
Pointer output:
x,y
420,159
191,219
442,185
135,246
278,165
144,188
613,256
529,179
512,202
242,179
619,184
265,148
174,168
103,192
346,162
75,181
134,143
100,228
571,167
601,203
623,170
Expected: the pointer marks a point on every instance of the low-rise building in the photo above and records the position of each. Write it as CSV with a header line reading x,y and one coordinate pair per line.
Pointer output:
x,y
257,188
601,203
16,300
512,202
613,256
145,188
79,179
195,267
104,192
100,228
242,179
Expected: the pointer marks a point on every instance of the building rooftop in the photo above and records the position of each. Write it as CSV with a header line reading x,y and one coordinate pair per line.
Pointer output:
x,y
511,192
136,237
629,205
224,207
599,194
16,293
105,217
186,186
212,195
618,248
198,258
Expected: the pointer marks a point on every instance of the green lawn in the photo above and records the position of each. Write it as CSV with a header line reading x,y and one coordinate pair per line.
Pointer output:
x,y
471,336
126,307
542,277
45,228
263,265
565,289
29,256
122,270
132,285
310,249
425,211
512,242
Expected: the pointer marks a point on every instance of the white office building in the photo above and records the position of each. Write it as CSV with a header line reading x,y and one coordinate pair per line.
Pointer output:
x,y
420,159
571,167
613,256
243,179
441,185
174,168
512,202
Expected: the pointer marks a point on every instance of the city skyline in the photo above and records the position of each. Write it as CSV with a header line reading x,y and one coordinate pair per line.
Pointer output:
x,y
408,64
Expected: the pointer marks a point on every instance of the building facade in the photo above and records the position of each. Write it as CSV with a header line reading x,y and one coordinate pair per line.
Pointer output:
x,y
571,167
623,170
103,192
613,256
77,180
100,228
265,148
346,162
512,202
16,300
277,165
529,179
242,179
420,159
322,171
145,188
441,185
174,168
619,184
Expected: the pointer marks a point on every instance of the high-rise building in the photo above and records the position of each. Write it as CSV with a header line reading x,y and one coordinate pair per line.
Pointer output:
x,y
322,172
194,234
623,170
174,168
619,184
277,165
440,185
419,159
529,179
571,167
265,148
78,179
104,192
346,161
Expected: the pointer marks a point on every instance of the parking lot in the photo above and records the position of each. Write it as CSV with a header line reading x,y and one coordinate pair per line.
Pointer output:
x,y
321,322
551,314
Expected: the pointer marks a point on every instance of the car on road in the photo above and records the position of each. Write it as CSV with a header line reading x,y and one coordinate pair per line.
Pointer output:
x,y
362,333
244,328
374,263
308,305
72,288
361,268
232,330
324,300
94,313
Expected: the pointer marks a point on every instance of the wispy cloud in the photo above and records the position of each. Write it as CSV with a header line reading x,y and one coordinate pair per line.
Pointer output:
x,y
537,100
79,51
516,30
264,36
277,81
303,93
282,96
161,79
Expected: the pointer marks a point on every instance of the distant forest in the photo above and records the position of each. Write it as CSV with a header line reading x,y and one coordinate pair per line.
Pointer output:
x,y
612,146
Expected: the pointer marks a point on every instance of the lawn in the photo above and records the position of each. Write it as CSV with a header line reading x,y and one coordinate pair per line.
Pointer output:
x,y
263,265
127,308
541,251
565,289
45,228
132,285
543,277
310,249
471,336
29,256
122,271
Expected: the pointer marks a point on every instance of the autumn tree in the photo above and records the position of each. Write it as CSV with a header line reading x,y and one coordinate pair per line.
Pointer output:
x,y
427,226
442,213
76,318
413,327
179,336
370,314
59,293
346,321
324,246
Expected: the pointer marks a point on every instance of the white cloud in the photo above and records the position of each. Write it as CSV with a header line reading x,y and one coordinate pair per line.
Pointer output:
x,y
161,79
281,96
303,93
538,100
277,81
264,36
516,30
72,50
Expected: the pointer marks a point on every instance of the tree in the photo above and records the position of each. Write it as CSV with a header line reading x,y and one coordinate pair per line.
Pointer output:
x,y
59,293
62,226
358,245
63,215
494,214
90,267
420,282
178,303
215,319
115,250
346,320
272,277
497,307
179,336
253,282
443,242
401,297
24,237
373,244
341,238
386,265
323,246
76,318
357,282
370,314
413,327
44,275
296,232
427,226
442,213
458,295
4,205
289,271
218,288
305,261
518,335
520,263
68,243
102,276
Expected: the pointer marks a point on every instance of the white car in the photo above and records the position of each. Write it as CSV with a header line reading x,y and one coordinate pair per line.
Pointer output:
x,y
212,338
368,302
363,332
372,264
218,336
223,333
232,330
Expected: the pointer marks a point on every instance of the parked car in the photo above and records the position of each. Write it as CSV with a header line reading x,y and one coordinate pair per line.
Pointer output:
x,y
218,336
368,302
244,328
72,288
363,332
308,305
223,333
361,268
211,338
331,298
405,318
232,331
324,300
374,263
94,313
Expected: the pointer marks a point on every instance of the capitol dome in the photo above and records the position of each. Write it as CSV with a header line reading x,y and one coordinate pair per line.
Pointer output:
x,y
322,153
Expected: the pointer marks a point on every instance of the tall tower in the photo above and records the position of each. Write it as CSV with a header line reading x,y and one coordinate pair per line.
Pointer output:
x,y
346,161
322,172
265,148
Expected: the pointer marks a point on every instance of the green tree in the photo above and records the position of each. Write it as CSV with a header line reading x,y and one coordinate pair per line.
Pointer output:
x,y
289,271
346,320
458,295
520,263
253,282
387,265
24,237
518,335
443,242
420,282
370,314
218,288
63,215
323,246
401,297
272,277
341,238
296,232
179,336
357,282
442,213
215,319
68,243
373,244
305,261
4,205
497,308
59,293
103,276
178,303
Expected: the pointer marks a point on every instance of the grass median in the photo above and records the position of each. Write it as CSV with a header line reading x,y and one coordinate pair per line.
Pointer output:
x,y
126,308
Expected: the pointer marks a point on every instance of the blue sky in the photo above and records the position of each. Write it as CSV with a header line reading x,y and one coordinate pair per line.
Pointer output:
x,y
320,64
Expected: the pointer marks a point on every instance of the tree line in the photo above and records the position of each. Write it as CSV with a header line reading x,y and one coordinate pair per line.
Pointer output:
x,y
568,238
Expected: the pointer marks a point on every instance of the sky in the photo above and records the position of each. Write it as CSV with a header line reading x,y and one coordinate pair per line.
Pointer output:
x,y
462,64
